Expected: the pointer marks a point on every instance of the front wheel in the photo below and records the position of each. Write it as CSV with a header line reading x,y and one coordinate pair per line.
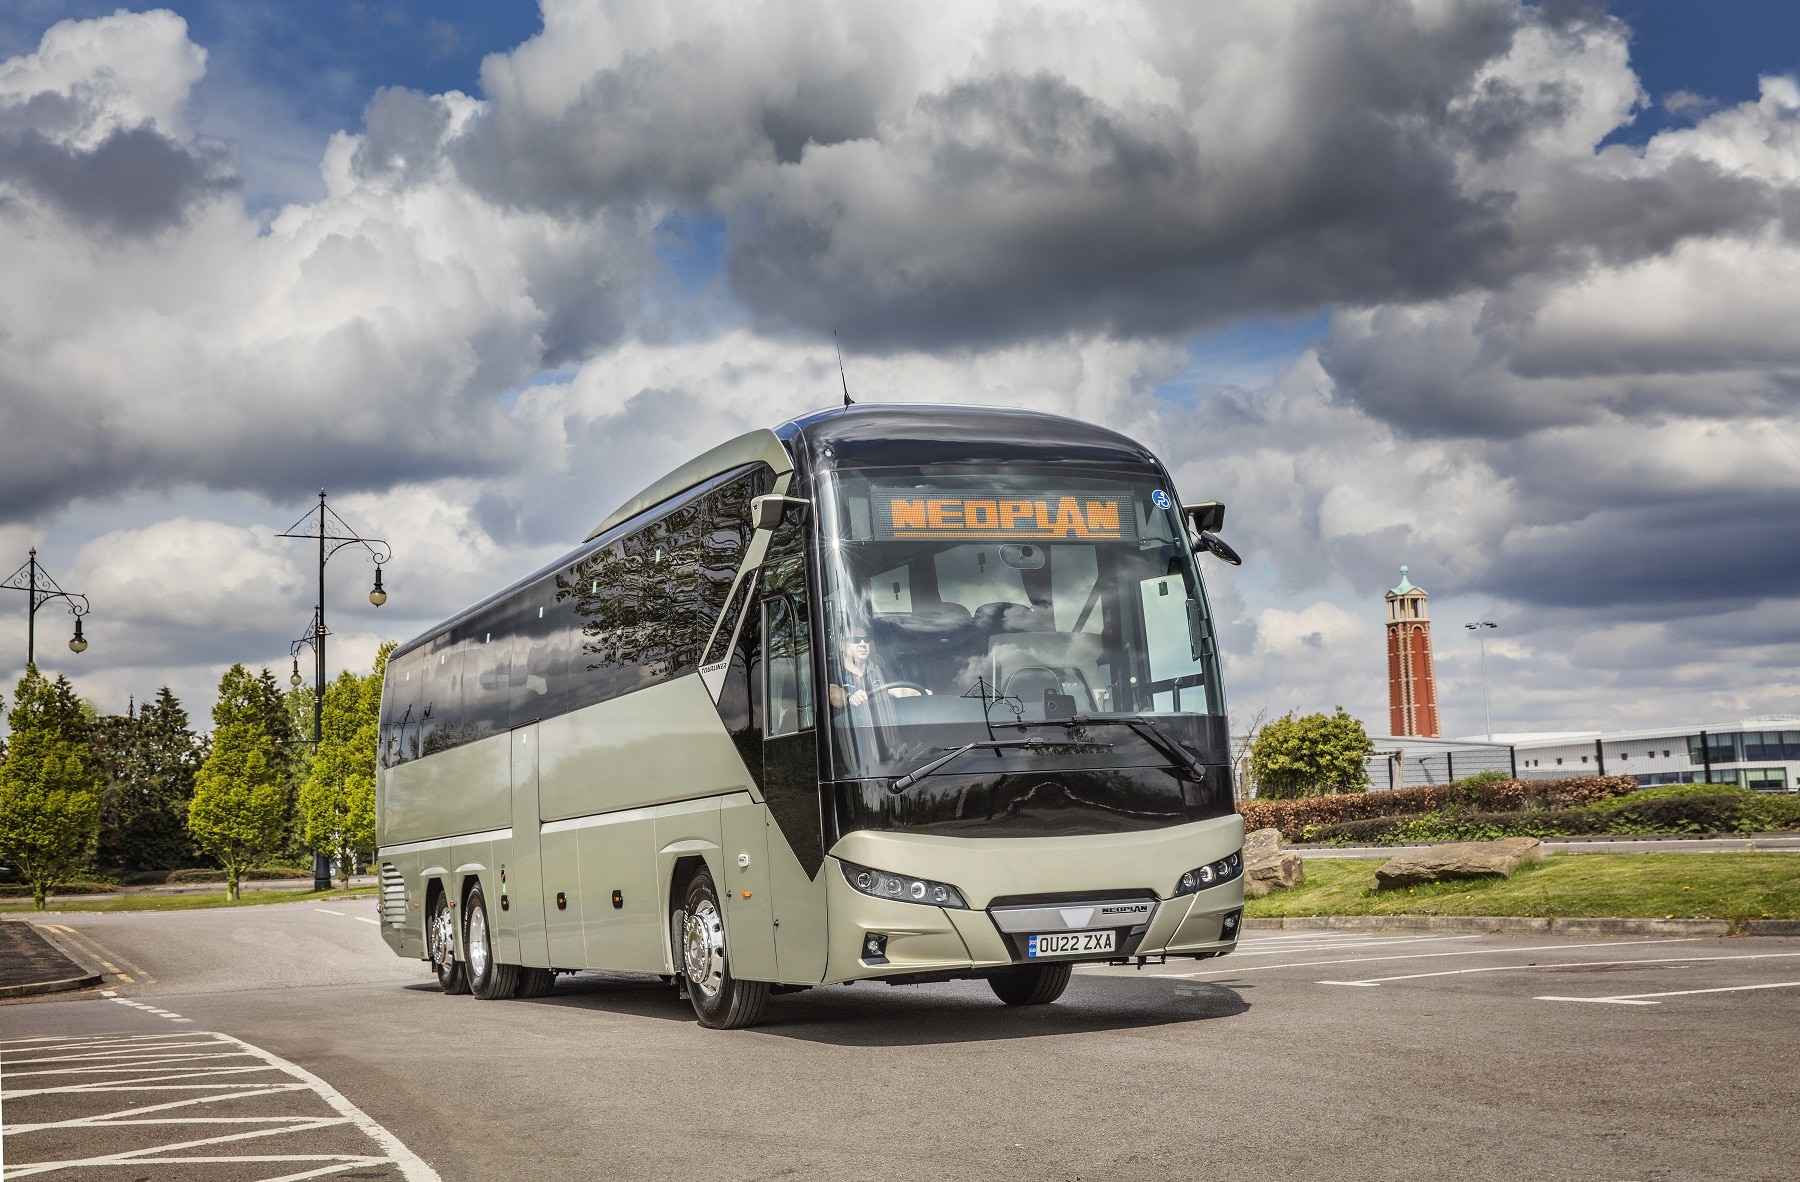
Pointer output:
x,y
1031,984
489,980
440,941
721,1001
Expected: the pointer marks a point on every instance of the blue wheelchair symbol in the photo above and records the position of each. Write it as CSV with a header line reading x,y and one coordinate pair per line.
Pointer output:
x,y
1160,499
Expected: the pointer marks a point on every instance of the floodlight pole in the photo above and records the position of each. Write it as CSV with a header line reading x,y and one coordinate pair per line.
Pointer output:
x,y
1478,628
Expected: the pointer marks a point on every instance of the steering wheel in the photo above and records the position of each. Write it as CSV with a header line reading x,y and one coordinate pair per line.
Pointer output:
x,y
918,691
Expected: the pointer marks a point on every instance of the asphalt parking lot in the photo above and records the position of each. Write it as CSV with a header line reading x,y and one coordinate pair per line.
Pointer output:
x,y
288,1040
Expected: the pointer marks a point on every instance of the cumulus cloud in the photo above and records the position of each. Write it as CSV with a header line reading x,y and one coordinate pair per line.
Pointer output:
x,y
92,124
1559,379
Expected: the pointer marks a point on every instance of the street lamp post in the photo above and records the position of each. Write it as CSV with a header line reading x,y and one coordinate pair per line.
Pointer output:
x,y
318,524
40,589
1479,629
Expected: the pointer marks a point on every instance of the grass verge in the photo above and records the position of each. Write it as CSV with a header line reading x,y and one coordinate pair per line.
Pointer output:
x,y
192,902
1625,886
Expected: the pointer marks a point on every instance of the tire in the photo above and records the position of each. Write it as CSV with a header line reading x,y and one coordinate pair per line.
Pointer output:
x,y
489,980
440,945
535,983
721,1001
1031,984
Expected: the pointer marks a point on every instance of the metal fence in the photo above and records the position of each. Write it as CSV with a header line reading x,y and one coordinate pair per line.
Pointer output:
x,y
1406,761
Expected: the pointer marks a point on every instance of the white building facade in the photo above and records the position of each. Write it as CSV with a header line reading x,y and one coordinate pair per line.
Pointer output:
x,y
1761,753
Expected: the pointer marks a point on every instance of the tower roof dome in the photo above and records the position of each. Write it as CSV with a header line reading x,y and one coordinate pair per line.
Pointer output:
x,y
1406,585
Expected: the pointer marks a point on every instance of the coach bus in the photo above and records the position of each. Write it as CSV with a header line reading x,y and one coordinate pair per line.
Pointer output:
x,y
894,693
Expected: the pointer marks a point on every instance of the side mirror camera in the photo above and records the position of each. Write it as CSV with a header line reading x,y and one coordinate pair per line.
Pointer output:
x,y
1206,517
767,512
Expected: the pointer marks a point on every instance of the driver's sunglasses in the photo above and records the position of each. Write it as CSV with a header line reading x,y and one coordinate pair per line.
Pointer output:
x,y
859,640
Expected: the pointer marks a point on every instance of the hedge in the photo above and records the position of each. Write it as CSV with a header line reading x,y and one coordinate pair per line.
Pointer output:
x,y
260,873
1723,812
1292,817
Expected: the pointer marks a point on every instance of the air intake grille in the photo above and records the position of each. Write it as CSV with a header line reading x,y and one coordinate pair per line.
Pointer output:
x,y
393,895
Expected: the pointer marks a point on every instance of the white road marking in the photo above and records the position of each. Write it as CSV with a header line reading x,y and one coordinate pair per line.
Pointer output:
x,y
325,911
1571,964
366,919
217,1059
1346,945
150,1009
1307,964
1638,999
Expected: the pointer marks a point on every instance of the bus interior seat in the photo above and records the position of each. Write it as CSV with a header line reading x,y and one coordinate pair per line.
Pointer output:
x,y
929,644
1025,664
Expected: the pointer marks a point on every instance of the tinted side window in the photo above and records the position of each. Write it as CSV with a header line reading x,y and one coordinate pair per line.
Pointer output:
x,y
440,702
608,635
541,686
645,605
486,676
400,708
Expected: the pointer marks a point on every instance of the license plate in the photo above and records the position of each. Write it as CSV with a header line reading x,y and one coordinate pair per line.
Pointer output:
x,y
1069,943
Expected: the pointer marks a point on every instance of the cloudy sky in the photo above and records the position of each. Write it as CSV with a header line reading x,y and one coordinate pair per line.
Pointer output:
x,y
1505,292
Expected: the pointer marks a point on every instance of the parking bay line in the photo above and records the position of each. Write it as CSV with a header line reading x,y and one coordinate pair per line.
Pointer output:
x,y
1638,999
391,1151
1515,968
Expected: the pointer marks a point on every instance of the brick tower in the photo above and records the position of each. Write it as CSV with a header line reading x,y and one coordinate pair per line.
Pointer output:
x,y
1412,687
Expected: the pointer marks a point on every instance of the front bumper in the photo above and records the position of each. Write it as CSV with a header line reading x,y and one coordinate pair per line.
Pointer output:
x,y
1015,887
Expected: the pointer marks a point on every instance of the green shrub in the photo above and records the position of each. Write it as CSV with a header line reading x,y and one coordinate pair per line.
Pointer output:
x,y
1296,817
1457,826
1768,812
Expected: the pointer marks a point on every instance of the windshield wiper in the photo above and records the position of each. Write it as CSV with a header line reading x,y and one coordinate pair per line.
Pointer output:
x,y
913,777
1143,727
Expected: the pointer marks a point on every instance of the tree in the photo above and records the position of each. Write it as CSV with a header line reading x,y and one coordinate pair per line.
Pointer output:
x,y
151,756
49,784
241,793
338,798
1317,755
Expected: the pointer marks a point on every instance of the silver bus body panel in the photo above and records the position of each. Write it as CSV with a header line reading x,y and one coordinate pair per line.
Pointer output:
x,y
593,812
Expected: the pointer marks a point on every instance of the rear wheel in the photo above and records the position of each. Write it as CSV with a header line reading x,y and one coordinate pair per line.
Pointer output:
x,y
1031,984
720,1000
488,978
440,941
535,982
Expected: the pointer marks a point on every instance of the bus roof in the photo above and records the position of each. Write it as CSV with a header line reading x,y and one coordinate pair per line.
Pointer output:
x,y
900,434
864,435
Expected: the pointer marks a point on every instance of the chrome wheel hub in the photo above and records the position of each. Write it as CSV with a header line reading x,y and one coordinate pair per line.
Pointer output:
x,y
443,938
478,943
703,948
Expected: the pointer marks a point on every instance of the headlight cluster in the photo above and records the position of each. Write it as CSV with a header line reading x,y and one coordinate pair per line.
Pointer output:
x,y
902,889
1224,870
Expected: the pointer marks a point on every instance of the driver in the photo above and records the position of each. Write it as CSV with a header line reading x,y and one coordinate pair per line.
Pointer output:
x,y
855,677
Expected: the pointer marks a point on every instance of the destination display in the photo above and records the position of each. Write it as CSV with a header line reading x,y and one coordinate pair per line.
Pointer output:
x,y
900,513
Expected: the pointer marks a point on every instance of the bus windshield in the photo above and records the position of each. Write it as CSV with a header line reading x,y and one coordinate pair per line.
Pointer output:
x,y
962,605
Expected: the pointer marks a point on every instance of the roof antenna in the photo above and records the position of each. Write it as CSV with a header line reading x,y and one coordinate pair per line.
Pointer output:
x,y
848,401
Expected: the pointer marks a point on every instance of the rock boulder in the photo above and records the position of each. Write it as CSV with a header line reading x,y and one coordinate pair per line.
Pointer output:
x,y
1267,867
1463,859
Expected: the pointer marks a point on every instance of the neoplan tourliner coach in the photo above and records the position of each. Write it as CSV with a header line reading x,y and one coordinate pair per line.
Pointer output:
x,y
895,693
